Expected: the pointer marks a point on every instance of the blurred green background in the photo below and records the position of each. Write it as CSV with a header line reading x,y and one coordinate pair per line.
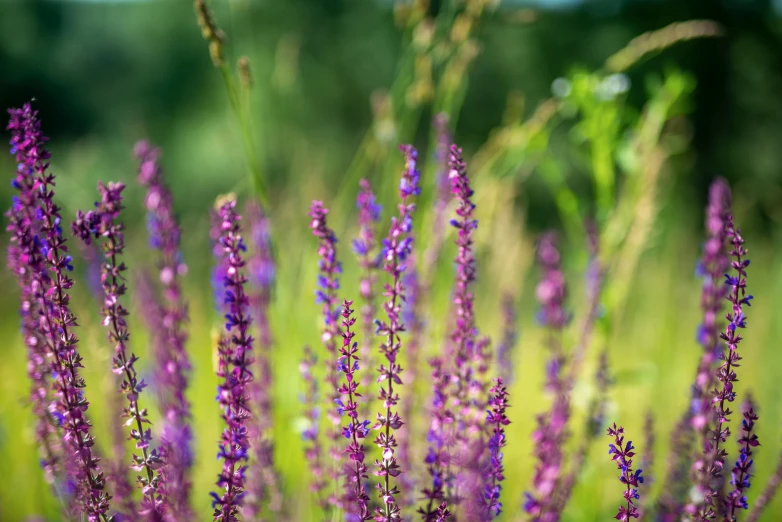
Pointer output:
x,y
337,84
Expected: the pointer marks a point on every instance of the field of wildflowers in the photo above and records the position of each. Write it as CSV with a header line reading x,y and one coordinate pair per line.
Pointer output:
x,y
399,346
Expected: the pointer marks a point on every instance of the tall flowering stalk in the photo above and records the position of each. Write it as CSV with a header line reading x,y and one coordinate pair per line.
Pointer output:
x,y
263,481
326,296
767,495
442,197
235,369
45,253
726,374
550,435
348,363
623,457
463,336
396,250
741,471
494,474
172,366
312,446
103,226
364,246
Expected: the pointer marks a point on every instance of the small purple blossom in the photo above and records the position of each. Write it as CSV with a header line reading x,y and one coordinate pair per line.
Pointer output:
x,y
312,447
623,457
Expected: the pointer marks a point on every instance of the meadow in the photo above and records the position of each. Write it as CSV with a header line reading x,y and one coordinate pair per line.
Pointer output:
x,y
602,149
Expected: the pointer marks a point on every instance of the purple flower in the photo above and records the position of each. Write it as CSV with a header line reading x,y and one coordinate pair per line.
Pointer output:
x,y
355,428
45,253
714,455
622,455
326,295
494,475
172,362
741,471
443,196
235,370
102,225
396,249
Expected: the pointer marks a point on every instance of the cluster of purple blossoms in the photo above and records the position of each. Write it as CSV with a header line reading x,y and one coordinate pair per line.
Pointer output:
x,y
355,429
103,226
172,366
38,236
726,375
326,296
623,457
496,417
741,471
397,247
235,368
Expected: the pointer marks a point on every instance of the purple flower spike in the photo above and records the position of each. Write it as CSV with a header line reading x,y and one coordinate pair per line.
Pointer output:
x,y
622,455
397,248
714,455
103,226
443,195
741,475
355,429
365,246
172,365
234,369
550,435
43,250
438,457
494,475
312,451
326,296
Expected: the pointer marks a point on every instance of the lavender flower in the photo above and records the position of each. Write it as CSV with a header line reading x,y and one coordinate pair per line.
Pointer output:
x,y
671,505
312,451
510,336
741,471
364,247
173,364
102,225
356,429
46,255
623,457
328,283
495,473
463,337
550,436
235,369
396,250
263,481
726,374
